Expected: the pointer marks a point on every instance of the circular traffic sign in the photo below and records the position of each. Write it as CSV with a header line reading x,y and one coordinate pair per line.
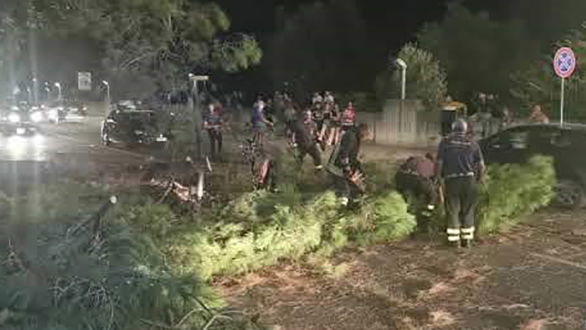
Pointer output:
x,y
564,62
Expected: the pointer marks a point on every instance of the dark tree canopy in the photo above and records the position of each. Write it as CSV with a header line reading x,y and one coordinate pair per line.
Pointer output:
x,y
158,40
321,46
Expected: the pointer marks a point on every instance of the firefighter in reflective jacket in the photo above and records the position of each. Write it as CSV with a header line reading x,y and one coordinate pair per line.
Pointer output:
x,y
460,165
345,166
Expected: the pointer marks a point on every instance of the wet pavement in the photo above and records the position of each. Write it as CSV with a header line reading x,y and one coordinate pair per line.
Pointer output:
x,y
70,148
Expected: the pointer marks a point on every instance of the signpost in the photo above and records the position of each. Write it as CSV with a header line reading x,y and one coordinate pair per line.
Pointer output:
x,y
84,81
564,64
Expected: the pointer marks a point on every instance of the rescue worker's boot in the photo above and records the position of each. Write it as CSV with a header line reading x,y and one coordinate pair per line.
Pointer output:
x,y
467,237
454,238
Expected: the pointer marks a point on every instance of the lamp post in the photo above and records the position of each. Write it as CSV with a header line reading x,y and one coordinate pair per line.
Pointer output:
x,y
401,64
108,101
196,120
59,90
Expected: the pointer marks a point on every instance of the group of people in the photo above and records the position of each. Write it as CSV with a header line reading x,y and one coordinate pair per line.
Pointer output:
x,y
312,127
458,166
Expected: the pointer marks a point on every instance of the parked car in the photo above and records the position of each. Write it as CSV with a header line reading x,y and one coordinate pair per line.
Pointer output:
x,y
566,144
133,127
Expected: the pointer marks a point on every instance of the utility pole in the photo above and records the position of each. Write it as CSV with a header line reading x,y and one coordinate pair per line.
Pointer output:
x,y
196,110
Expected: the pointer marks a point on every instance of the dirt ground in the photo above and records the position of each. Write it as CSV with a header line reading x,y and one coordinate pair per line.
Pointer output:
x,y
531,278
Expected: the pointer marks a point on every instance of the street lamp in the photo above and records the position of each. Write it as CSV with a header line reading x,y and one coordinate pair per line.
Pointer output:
x,y
107,84
59,90
401,64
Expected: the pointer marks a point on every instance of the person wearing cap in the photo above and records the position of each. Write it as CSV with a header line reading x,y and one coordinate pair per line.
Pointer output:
x,y
460,165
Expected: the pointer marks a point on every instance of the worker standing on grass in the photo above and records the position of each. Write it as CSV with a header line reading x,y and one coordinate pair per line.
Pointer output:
x,y
345,166
213,123
460,164
304,136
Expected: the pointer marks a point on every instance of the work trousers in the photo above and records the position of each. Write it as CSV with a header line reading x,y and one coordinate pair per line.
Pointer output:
x,y
311,150
346,189
215,141
460,205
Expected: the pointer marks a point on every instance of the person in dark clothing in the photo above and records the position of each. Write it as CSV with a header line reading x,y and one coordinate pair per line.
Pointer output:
x,y
213,123
415,182
303,135
345,166
460,165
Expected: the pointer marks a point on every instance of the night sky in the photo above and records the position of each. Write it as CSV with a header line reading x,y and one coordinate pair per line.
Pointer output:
x,y
390,23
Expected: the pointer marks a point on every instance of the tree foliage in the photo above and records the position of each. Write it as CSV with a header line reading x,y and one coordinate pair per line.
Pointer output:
x,y
320,47
426,80
62,268
163,39
540,85
513,191
478,53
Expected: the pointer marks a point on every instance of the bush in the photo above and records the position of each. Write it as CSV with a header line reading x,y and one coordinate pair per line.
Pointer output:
x,y
384,218
513,191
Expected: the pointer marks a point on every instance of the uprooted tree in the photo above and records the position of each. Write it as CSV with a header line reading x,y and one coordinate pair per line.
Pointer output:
x,y
67,264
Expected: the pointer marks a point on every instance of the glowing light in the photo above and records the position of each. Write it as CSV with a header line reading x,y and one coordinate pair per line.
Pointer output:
x,y
36,117
14,118
53,114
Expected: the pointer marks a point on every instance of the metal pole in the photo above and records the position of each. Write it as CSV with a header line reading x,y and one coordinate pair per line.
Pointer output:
x,y
197,122
403,83
60,92
562,101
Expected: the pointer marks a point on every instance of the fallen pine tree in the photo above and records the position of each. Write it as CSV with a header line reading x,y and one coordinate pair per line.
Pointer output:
x,y
67,264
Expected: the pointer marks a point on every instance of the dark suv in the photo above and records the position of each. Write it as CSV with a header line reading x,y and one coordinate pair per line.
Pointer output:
x,y
566,144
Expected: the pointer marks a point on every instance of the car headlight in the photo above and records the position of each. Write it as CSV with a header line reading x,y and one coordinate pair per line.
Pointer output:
x,y
53,114
14,118
36,117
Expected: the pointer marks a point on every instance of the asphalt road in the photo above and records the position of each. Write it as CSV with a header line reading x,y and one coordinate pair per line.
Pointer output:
x,y
70,148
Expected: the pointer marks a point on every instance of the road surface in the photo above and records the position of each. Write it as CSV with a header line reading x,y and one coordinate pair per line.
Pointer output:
x,y
70,148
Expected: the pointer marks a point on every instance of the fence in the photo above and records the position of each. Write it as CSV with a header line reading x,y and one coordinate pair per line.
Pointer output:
x,y
404,123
